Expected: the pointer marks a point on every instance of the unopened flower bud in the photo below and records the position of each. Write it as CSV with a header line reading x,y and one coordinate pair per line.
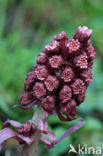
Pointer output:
x,y
48,103
42,58
61,36
26,98
87,76
81,96
29,81
91,52
82,33
65,94
70,109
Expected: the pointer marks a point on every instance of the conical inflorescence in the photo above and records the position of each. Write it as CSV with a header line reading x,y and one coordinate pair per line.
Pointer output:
x,y
59,80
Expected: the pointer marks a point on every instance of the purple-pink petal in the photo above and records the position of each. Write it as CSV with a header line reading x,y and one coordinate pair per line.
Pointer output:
x,y
61,117
46,115
52,139
5,134
43,126
26,107
27,139
13,123
71,130
44,140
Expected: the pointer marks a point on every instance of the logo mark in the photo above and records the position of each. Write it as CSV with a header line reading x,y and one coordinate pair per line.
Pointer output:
x,y
72,149
85,150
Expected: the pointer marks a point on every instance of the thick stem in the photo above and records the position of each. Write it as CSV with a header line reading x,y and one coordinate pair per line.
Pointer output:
x,y
30,150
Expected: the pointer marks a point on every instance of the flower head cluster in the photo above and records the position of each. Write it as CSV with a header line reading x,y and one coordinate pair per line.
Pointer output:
x,y
62,74
24,133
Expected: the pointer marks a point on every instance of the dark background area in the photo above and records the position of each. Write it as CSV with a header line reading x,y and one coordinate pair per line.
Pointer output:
x,y
25,27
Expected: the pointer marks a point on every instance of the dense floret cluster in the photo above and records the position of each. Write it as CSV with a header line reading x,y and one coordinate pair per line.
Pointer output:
x,y
27,129
62,74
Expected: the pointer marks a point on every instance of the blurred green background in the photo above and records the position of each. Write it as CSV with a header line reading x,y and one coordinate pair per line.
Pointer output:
x,y
25,27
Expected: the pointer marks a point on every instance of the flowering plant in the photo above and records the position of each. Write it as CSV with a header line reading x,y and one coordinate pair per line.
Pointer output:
x,y
57,84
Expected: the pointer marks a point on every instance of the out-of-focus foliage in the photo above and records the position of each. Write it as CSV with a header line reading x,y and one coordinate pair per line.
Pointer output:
x,y
25,27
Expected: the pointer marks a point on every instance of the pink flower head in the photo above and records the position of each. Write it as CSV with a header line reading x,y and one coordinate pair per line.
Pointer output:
x,y
67,74
73,46
41,72
39,90
27,129
51,83
77,86
52,47
81,61
56,61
